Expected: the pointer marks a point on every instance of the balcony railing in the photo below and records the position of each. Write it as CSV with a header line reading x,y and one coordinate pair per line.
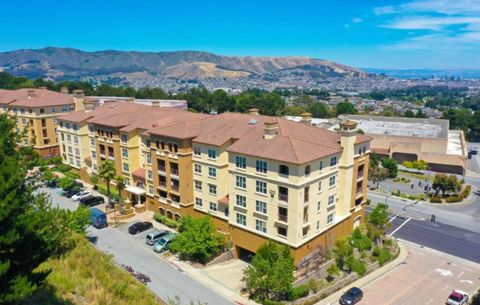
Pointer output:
x,y
283,197
283,218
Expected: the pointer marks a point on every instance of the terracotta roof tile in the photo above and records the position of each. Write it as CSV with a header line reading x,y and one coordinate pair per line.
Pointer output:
x,y
37,98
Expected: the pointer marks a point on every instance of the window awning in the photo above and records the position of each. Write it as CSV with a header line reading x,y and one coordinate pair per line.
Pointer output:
x,y
135,190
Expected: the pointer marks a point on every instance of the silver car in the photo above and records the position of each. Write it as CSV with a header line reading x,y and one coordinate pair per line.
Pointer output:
x,y
152,237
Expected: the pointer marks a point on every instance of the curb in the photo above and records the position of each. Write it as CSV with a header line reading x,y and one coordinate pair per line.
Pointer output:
x,y
369,278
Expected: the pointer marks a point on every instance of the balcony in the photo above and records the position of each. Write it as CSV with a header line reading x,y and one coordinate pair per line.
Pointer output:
x,y
283,218
161,170
283,197
360,176
174,172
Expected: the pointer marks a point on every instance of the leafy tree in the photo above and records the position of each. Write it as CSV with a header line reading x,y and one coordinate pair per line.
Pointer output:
x,y
377,174
270,274
198,240
420,165
360,241
107,172
391,166
319,110
377,223
333,270
303,101
294,110
446,183
66,183
374,160
409,113
345,107
420,114
341,251
270,103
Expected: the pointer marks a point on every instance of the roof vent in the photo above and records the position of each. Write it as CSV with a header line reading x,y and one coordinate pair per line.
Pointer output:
x,y
252,121
270,129
253,111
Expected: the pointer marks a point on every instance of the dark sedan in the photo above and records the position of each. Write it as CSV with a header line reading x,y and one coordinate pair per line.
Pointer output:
x,y
139,227
352,296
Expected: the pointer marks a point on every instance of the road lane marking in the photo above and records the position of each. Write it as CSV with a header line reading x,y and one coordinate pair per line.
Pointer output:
x,y
393,218
430,301
461,273
395,231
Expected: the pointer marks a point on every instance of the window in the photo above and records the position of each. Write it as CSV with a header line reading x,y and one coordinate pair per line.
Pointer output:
x,y
22,110
282,231
241,182
24,121
241,219
330,218
318,225
42,110
261,207
319,206
149,159
261,166
77,151
307,170
124,138
198,202
78,163
197,168
261,187
69,138
70,150
331,200
126,168
319,186
212,189
124,153
333,161
94,154
212,172
197,151
150,189
150,175
240,162
306,194
213,206
53,109
332,181
75,139
241,201
283,170
92,142
283,214
198,185
75,127
212,153
67,125
260,225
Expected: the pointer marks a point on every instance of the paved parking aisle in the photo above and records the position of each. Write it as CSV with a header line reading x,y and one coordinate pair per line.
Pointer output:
x,y
426,278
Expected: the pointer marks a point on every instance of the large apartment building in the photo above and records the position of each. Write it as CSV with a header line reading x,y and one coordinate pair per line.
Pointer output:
x,y
260,178
35,112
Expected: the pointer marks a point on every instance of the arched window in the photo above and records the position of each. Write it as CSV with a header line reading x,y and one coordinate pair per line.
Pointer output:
x,y
170,146
162,144
157,144
175,148
307,170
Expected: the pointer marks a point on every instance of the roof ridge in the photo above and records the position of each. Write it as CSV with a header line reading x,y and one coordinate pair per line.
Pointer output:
x,y
293,148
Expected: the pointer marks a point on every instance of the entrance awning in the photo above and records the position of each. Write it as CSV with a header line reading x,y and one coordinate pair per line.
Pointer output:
x,y
135,190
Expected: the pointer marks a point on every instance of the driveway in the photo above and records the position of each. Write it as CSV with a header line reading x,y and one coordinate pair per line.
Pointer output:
x,y
426,278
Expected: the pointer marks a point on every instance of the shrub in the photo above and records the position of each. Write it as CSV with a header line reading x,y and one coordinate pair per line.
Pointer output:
x,y
333,270
63,168
71,175
270,302
382,255
313,285
358,267
407,164
299,292
412,197
55,160
466,191
368,201
94,178
165,220
476,298
434,199
454,199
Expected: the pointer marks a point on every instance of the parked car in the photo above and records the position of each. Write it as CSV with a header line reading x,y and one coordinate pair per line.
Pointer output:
x,y
51,183
163,243
152,237
98,218
81,195
352,296
139,227
91,200
72,192
457,297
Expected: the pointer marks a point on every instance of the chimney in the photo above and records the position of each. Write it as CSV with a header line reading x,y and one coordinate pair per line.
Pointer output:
x,y
306,118
64,90
270,130
253,111
79,100
156,104
89,104
31,93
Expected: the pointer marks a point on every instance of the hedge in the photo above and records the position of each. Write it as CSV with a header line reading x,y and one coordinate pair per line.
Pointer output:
x,y
454,199
165,220
436,200
466,191
299,292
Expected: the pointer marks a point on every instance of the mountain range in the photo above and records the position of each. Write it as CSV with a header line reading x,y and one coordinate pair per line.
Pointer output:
x,y
67,63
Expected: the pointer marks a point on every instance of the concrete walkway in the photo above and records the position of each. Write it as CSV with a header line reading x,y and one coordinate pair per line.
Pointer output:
x,y
400,260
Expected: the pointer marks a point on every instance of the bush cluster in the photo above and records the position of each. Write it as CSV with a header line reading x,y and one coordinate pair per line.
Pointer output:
x,y
382,255
454,199
435,199
466,191
165,220
299,292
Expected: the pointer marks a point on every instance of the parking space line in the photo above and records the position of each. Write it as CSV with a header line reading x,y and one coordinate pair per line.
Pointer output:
x,y
393,218
430,301
461,273
399,227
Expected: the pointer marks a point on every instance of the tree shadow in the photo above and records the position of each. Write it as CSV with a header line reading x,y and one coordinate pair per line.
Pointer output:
x,y
46,295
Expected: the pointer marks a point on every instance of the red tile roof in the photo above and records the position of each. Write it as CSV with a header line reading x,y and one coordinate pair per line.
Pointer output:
x,y
34,98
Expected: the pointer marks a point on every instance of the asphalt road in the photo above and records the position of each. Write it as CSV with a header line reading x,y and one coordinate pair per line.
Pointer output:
x,y
167,281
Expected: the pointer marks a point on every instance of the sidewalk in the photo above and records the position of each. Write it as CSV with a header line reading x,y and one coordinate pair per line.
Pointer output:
x,y
364,281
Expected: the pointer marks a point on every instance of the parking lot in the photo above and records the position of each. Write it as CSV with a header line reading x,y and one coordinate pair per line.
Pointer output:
x,y
426,278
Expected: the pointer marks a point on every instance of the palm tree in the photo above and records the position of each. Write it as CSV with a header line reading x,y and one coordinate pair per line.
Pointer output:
x,y
107,172
120,182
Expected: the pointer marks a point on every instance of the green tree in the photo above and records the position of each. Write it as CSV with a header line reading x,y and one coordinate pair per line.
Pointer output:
x,y
377,174
107,173
374,161
294,110
409,113
360,241
377,223
391,166
198,240
420,114
342,251
270,274
270,103
67,184
319,110
345,107
303,101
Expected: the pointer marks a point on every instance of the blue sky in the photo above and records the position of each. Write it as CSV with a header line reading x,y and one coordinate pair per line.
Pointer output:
x,y
363,33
